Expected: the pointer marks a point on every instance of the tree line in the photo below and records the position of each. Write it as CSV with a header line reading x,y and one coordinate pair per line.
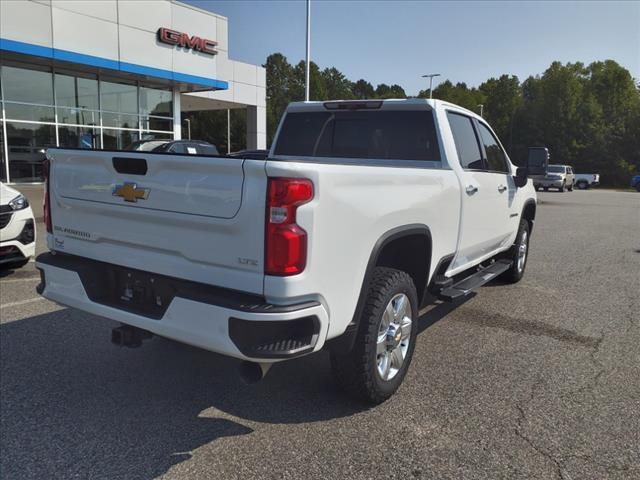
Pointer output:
x,y
588,116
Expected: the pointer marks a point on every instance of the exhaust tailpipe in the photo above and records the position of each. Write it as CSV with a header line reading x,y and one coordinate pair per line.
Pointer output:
x,y
252,372
128,336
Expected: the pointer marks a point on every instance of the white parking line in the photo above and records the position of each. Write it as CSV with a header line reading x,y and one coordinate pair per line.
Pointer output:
x,y
22,302
17,280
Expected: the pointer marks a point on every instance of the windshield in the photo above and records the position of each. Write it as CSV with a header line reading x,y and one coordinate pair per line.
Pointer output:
x,y
555,169
377,134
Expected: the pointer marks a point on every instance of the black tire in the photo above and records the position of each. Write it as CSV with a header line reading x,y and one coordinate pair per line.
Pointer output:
x,y
582,185
515,273
561,189
570,188
638,187
357,371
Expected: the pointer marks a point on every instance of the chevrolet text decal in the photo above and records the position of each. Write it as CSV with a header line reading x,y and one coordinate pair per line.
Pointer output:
x,y
173,37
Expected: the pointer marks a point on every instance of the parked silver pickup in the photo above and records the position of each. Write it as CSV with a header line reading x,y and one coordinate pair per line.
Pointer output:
x,y
558,176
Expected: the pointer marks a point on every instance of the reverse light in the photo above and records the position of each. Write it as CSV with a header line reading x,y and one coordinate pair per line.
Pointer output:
x,y
285,240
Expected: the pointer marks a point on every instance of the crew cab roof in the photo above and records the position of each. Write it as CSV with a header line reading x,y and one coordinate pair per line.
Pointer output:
x,y
384,104
373,103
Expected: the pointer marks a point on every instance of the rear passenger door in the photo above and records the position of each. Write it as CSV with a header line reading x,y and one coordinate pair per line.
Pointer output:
x,y
485,196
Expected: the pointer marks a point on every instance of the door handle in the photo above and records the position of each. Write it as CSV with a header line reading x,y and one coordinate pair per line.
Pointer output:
x,y
471,189
502,188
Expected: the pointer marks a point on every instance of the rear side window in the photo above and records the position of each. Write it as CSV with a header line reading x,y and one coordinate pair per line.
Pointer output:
x,y
177,148
370,134
466,142
495,156
207,149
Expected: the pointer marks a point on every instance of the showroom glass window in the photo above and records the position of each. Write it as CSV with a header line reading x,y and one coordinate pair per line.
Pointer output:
x,y
45,107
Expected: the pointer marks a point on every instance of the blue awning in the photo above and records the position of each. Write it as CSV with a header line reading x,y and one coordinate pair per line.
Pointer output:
x,y
99,62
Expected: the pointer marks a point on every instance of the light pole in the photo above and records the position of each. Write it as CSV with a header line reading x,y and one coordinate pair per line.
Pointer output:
x,y
481,107
306,72
430,77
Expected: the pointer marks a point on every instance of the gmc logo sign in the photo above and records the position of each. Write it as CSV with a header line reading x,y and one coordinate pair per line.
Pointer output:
x,y
172,37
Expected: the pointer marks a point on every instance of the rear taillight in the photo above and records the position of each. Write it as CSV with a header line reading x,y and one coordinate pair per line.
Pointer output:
x,y
285,240
46,205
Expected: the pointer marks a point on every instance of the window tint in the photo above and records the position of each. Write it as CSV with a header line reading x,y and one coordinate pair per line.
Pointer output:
x,y
207,149
495,156
374,134
178,148
466,142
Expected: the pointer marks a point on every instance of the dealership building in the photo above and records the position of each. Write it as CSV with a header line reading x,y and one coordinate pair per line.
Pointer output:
x,y
103,74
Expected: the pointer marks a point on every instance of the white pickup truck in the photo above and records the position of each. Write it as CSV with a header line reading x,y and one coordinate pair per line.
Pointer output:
x,y
585,181
362,211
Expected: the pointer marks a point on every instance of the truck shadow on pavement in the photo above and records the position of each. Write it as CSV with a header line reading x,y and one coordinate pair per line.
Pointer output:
x,y
73,405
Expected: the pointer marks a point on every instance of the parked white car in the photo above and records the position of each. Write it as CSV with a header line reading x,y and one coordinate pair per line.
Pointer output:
x,y
333,241
17,228
584,181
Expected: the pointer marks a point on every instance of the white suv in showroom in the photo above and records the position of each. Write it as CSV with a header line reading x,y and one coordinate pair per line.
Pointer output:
x,y
17,228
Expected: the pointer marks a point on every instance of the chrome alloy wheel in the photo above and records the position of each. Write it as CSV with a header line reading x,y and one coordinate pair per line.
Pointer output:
x,y
394,335
522,250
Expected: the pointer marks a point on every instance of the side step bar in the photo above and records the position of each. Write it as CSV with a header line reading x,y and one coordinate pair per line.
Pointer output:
x,y
465,286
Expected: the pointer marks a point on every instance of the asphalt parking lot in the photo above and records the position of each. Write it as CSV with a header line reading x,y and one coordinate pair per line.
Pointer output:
x,y
535,380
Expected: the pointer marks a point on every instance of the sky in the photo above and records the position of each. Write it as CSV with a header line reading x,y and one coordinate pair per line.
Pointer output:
x,y
398,41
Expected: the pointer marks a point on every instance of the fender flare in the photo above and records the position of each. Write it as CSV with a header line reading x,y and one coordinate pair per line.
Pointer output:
x,y
344,342
527,203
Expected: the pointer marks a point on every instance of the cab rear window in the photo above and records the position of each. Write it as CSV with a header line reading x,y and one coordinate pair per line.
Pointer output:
x,y
368,134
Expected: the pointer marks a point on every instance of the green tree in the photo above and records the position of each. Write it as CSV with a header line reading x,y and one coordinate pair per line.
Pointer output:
x,y
279,90
460,94
337,86
317,86
363,90
385,91
503,97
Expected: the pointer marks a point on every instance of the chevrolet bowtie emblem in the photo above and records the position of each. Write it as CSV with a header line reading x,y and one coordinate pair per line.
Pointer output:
x,y
130,192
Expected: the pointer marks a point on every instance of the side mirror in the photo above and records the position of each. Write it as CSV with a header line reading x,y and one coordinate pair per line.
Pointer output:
x,y
522,175
537,161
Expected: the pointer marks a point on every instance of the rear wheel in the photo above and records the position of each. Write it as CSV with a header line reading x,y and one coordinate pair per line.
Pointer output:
x,y
374,369
582,185
518,254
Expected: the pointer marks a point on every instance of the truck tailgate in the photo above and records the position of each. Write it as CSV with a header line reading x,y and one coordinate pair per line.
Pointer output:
x,y
192,217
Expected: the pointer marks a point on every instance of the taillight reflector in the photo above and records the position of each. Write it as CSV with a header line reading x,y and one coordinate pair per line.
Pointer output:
x,y
285,240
